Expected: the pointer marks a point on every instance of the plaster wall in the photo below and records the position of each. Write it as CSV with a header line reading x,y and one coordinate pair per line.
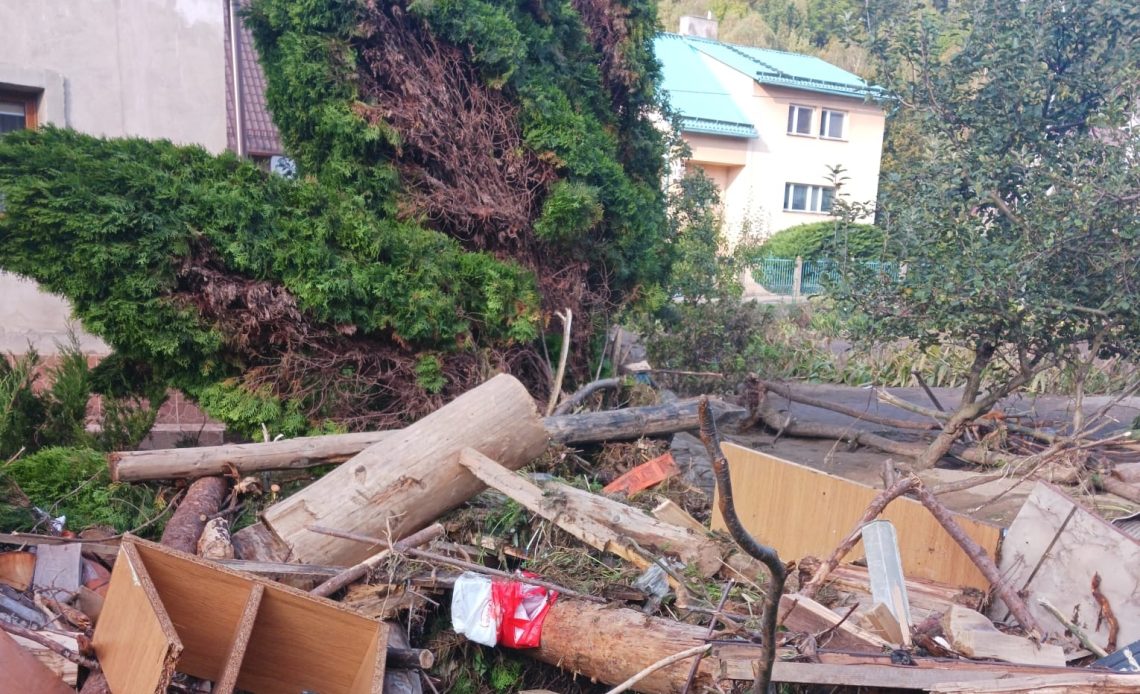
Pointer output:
x,y
116,68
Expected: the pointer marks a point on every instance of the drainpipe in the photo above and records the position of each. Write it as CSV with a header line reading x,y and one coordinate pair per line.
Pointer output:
x,y
235,76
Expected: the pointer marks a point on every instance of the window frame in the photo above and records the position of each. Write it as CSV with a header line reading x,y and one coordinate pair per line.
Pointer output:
x,y
824,116
31,101
794,120
813,198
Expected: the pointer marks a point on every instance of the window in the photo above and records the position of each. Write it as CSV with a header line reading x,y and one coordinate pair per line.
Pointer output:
x,y
799,120
17,111
800,197
831,124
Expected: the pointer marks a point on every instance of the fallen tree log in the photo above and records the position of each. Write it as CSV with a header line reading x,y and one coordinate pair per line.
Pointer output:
x,y
247,458
611,644
406,482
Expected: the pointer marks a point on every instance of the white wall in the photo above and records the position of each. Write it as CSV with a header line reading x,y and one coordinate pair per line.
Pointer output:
x,y
147,68
774,158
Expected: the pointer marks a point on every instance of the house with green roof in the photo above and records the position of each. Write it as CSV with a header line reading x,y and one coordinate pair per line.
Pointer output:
x,y
766,125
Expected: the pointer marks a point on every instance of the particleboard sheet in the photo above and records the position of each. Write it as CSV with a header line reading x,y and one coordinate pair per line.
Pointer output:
x,y
1061,545
801,512
22,673
261,636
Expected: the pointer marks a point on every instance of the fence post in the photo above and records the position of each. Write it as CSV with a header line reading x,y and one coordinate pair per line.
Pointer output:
x,y
798,277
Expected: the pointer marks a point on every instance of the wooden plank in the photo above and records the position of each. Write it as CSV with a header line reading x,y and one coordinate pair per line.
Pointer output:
x,y
406,482
1072,683
297,642
884,624
669,512
926,597
22,673
370,676
58,570
802,512
228,681
799,613
17,569
973,635
135,641
1053,549
606,524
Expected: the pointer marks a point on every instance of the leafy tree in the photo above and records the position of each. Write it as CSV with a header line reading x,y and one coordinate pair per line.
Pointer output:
x,y
465,169
1017,218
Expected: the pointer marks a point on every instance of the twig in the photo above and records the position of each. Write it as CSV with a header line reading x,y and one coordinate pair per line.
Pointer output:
x,y
929,393
873,510
567,321
586,391
766,555
1072,628
353,573
712,627
459,563
663,663
59,649
831,629
984,563
1105,613
862,415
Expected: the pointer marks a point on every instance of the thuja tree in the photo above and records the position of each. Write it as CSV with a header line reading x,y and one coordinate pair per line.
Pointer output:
x,y
1018,220
466,168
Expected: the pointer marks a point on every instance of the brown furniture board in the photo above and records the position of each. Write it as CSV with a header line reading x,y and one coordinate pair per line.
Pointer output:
x,y
22,673
802,512
264,637
135,641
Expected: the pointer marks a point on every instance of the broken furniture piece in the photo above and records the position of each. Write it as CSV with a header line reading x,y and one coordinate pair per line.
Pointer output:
x,y
804,512
1053,551
168,611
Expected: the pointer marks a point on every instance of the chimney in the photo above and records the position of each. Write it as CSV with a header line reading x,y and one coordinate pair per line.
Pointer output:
x,y
704,27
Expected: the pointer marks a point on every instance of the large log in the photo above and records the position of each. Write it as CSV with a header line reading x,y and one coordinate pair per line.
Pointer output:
x,y
407,481
248,458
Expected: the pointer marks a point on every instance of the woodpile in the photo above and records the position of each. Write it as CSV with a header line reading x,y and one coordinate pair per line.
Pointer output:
x,y
797,576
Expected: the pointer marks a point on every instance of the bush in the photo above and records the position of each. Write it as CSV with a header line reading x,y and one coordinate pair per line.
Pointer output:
x,y
76,483
832,240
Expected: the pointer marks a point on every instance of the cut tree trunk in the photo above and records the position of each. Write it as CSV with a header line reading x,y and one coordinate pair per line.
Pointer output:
x,y
406,482
247,458
203,499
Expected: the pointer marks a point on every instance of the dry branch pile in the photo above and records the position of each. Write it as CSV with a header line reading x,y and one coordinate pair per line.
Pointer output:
x,y
649,599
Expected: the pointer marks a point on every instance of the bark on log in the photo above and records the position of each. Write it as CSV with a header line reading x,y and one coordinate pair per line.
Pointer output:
x,y
203,499
636,422
406,482
613,644
247,458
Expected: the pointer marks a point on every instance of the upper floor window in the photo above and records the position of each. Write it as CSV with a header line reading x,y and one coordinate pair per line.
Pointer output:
x,y
17,111
799,120
801,197
831,124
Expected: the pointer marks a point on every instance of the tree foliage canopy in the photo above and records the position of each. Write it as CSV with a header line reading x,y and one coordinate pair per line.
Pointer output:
x,y
465,169
1017,218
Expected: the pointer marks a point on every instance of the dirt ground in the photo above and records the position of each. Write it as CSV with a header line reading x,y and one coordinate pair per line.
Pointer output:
x,y
997,502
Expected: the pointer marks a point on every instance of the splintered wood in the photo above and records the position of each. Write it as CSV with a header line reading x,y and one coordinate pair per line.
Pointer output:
x,y
608,525
804,512
410,479
168,611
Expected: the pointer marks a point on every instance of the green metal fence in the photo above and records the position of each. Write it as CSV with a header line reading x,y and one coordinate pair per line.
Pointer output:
x,y
796,277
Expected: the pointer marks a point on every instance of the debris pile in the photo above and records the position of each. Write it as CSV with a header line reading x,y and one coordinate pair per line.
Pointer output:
x,y
617,571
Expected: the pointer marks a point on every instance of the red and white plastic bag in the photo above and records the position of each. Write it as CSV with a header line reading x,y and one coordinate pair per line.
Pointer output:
x,y
497,611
